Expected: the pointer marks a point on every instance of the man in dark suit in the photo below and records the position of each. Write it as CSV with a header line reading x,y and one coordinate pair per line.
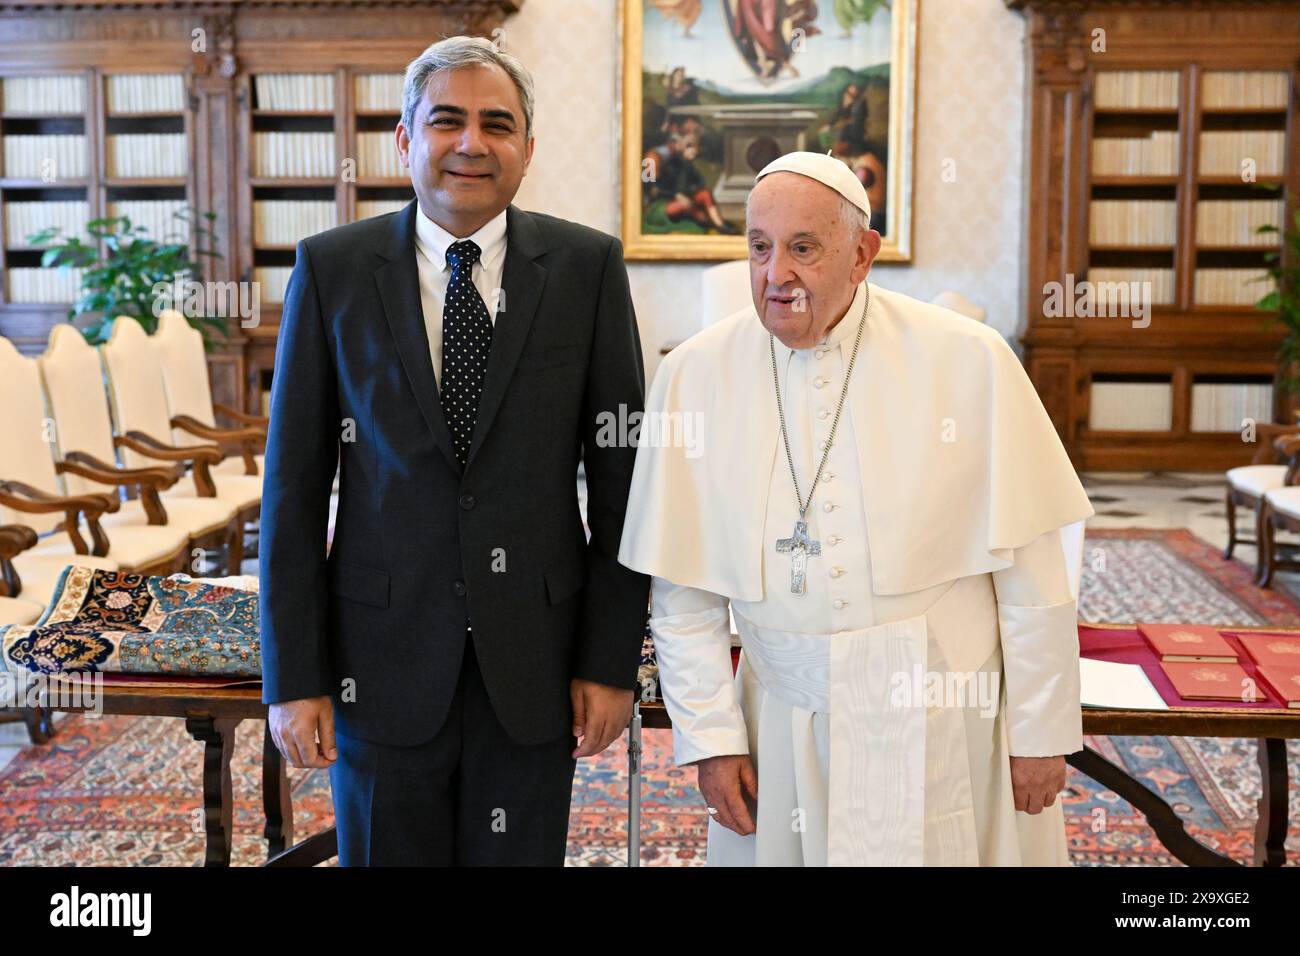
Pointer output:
x,y
454,360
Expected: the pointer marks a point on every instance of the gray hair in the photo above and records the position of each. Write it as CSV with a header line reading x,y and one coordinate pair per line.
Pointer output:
x,y
453,53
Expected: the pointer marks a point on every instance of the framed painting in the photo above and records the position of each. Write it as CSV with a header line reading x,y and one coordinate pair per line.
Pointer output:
x,y
713,90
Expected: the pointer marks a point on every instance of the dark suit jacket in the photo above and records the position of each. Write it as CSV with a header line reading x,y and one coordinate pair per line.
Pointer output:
x,y
420,548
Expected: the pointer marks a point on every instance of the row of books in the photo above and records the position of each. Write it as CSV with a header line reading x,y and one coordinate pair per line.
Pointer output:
x,y
157,216
1202,665
1131,406
146,154
146,93
37,285
294,154
44,95
1148,406
1132,222
1160,282
24,218
1229,286
1221,407
379,91
272,282
367,208
1155,154
1245,89
1232,222
52,157
377,155
294,91
283,222
1224,151
1133,89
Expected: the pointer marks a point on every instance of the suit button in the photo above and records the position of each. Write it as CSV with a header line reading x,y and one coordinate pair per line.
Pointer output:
x,y
466,502
458,587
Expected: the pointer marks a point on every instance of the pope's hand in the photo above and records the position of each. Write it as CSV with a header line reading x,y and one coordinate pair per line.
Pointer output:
x,y
724,781
1035,781
303,731
600,713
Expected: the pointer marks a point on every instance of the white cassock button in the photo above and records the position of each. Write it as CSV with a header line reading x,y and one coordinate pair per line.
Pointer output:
x,y
819,382
828,476
829,506
822,445
821,353
837,572
824,414
840,605
833,540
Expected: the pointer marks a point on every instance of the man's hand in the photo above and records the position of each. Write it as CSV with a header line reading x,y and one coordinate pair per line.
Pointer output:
x,y
724,781
296,726
600,713
1035,781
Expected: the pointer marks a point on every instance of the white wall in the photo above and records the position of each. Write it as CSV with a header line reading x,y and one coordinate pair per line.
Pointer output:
x,y
968,225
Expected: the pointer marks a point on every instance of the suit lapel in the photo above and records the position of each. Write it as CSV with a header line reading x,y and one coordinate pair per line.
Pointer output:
x,y
522,281
398,280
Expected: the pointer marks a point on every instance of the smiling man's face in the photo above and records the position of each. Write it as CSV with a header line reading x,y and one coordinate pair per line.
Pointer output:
x,y
468,150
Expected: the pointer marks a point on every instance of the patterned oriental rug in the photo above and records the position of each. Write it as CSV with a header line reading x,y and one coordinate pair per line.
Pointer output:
x,y
124,790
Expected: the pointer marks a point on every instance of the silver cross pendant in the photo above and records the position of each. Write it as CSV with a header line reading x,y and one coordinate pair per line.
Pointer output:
x,y
800,547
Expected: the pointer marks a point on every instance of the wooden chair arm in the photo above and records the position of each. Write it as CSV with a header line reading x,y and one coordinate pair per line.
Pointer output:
x,y
196,427
35,501
151,447
14,539
91,468
201,457
1267,435
239,416
23,497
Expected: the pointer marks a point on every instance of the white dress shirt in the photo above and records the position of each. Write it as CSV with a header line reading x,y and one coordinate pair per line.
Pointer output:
x,y
431,245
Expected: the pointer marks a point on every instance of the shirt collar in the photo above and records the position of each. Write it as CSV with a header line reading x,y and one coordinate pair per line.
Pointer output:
x,y
845,330
433,241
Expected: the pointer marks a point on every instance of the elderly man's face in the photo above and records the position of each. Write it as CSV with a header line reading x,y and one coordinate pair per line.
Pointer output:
x,y
804,261
467,149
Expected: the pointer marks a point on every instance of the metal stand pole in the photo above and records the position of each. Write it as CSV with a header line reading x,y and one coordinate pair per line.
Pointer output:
x,y
634,786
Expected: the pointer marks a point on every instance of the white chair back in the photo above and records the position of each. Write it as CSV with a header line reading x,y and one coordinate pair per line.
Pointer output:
x,y
724,291
26,452
74,394
185,372
136,389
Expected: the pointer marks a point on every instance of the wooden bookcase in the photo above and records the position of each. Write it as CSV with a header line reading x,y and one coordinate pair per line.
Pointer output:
x,y
1128,391
219,49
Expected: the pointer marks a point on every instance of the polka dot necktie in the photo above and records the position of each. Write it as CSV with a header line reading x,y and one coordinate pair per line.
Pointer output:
x,y
466,342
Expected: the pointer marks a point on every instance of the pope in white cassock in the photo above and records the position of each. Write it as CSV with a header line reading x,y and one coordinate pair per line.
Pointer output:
x,y
875,495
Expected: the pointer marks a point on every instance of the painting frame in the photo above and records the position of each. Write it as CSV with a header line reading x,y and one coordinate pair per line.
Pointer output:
x,y
639,245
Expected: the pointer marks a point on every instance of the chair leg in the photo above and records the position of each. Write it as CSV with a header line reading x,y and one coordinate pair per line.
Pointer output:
x,y
1230,507
1264,559
235,547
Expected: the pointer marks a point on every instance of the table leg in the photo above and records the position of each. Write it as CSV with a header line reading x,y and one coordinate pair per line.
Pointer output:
x,y
1169,827
277,800
1271,823
218,738
634,787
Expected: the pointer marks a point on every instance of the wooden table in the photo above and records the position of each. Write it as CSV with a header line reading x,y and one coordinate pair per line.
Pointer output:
x,y
211,715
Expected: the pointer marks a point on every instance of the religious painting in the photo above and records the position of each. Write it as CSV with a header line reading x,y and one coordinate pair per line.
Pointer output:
x,y
713,90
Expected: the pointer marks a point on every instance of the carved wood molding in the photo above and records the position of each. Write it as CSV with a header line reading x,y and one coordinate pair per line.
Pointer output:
x,y
466,9
1078,6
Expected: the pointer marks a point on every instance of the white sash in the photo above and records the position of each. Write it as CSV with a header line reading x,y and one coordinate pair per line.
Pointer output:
x,y
879,811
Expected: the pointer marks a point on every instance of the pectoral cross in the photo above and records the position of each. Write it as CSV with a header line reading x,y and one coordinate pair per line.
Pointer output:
x,y
799,546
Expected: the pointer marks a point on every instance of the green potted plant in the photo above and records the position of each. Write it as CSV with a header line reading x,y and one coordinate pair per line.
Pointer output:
x,y
128,272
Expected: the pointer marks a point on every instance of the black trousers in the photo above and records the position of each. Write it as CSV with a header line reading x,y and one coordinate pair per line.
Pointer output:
x,y
470,796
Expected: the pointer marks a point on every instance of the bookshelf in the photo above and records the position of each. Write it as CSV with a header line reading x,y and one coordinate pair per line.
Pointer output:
x,y
276,117
1151,159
